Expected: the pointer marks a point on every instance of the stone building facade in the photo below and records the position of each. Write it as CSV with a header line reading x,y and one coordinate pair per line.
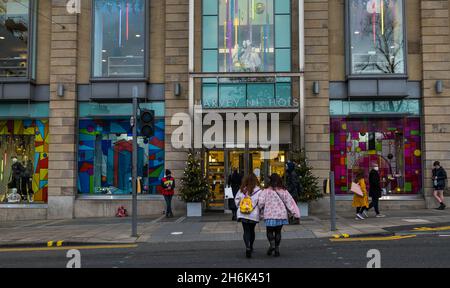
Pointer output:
x,y
66,104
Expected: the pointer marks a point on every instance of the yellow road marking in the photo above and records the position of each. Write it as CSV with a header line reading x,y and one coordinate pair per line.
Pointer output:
x,y
37,249
390,238
432,229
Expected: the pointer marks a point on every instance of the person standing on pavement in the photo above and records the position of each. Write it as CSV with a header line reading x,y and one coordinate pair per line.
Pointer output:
x,y
168,185
275,204
439,177
235,181
360,202
293,182
249,190
374,191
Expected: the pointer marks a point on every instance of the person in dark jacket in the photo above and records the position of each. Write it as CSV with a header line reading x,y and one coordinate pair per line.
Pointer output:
x,y
235,181
293,184
439,177
374,191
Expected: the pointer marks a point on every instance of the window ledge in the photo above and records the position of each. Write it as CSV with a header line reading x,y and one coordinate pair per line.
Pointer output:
x,y
118,79
377,76
118,197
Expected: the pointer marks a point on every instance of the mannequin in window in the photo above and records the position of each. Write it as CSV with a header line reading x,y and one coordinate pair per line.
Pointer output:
x,y
27,188
17,170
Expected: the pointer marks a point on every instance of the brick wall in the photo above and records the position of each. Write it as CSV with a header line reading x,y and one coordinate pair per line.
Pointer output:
x,y
62,150
436,66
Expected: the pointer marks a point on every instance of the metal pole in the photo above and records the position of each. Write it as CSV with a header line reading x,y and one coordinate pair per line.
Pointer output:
x,y
134,163
332,202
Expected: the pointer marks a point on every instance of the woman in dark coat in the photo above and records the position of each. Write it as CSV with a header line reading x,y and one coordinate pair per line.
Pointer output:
x,y
375,191
234,181
439,177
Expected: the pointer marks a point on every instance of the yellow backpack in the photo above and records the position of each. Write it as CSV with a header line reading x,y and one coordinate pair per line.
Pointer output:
x,y
246,205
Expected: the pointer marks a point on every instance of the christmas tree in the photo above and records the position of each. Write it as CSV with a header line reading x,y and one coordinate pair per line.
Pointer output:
x,y
310,183
194,186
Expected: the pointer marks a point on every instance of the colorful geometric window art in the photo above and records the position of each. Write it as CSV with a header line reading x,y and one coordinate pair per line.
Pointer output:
x,y
104,157
394,144
26,139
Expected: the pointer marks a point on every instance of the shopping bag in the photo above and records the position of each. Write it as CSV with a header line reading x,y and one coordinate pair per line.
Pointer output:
x,y
357,189
229,193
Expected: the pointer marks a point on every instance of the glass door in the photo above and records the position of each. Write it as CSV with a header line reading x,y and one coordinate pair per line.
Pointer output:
x,y
215,171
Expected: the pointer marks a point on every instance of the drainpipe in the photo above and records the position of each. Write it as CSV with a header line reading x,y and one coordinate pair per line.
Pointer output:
x,y
191,65
301,37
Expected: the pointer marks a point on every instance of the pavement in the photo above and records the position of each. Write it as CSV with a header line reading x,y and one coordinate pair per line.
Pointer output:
x,y
212,227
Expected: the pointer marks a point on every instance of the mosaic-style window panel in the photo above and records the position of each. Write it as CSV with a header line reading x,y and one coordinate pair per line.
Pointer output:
x,y
394,144
28,141
105,157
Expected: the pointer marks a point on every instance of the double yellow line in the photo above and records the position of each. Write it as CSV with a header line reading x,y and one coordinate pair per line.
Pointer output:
x,y
360,239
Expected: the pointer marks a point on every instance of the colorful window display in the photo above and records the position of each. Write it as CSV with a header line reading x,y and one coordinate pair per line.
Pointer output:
x,y
24,146
119,38
376,37
105,157
392,143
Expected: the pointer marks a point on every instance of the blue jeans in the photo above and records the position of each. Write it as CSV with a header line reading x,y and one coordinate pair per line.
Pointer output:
x,y
168,204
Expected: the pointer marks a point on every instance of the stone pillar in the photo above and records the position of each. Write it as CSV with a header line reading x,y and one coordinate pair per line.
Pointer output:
x,y
176,72
317,116
63,112
436,66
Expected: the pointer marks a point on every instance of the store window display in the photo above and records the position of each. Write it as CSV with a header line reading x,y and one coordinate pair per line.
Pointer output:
x,y
105,157
24,161
394,144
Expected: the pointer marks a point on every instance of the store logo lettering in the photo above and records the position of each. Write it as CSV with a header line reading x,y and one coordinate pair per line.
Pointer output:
x,y
238,133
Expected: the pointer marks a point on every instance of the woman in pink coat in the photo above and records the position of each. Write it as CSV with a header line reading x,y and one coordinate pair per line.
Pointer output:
x,y
275,204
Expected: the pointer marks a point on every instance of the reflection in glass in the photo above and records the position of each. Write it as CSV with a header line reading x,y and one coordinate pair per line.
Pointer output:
x,y
119,38
376,36
14,24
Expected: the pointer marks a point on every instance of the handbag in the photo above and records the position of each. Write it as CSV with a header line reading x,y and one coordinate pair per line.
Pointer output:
x,y
292,220
356,188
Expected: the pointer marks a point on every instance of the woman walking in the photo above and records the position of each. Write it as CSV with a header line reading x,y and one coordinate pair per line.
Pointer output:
x,y
360,202
439,177
275,204
249,214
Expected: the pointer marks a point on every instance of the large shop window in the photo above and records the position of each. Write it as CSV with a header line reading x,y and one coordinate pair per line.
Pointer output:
x,y
393,141
119,38
245,36
14,38
24,161
377,40
105,152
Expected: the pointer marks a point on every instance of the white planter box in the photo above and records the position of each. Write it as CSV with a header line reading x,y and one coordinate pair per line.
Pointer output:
x,y
304,209
194,209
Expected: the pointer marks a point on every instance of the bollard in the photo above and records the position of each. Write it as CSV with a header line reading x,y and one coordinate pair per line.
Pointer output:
x,y
332,202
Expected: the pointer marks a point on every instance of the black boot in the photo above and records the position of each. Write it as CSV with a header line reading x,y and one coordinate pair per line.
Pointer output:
x,y
442,207
248,253
271,248
277,252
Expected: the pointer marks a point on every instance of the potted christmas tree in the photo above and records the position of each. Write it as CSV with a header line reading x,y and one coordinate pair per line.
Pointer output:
x,y
310,183
194,186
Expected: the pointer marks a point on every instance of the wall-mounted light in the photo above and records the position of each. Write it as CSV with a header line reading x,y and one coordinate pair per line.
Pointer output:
x,y
177,89
439,87
60,90
316,88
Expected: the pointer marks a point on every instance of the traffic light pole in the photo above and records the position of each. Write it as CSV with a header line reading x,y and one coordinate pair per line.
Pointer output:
x,y
134,123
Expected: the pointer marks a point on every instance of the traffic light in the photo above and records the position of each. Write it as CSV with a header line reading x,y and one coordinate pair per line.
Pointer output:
x,y
147,123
